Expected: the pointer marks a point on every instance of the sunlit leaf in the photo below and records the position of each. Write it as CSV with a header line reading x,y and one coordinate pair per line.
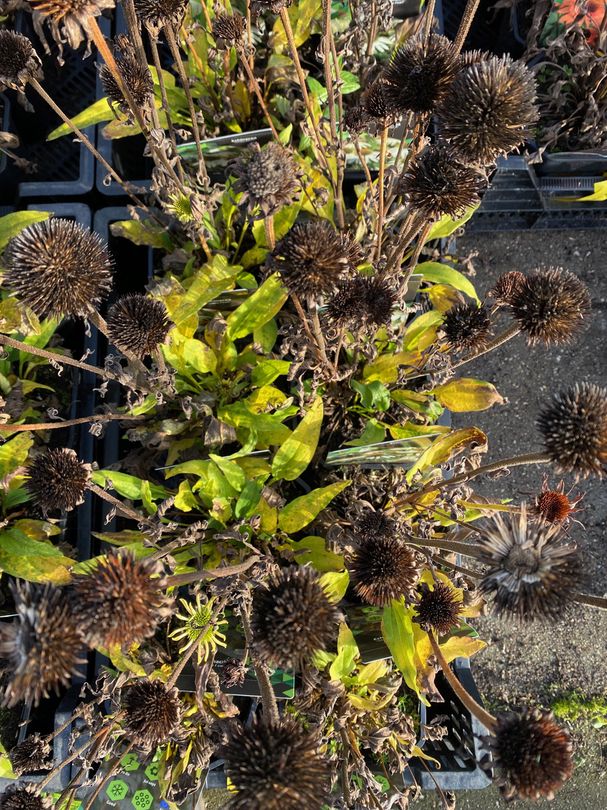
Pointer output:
x,y
445,447
294,455
12,224
347,653
467,394
440,273
302,511
258,308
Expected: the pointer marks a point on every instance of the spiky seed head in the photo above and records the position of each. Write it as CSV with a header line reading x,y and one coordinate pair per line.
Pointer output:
x,y
377,104
574,429
532,572
24,797
138,324
151,713
135,77
532,756
58,479
275,766
362,301
438,608
42,644
489,109
382,569
356,119
420,73
227,29
550,306
233,673
58,267
275,6
467,327
313,258
69,20
19,62
121,602
267,176
156,13
372,525
292,617
506,286
31,755
437,183
554,505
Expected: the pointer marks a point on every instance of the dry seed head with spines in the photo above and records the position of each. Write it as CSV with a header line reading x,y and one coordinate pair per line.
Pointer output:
x,y
362,301
574,429
550,306
19,62
356,119
152,713
373,525
531,755
382,569
138,324
275,6
533,570
420,73
42,644
33,754
313,258
58,479
267,177
555,505
154,14
275,766
489,110
292,617
227,29
135,76
24,797
377,105
467,327
438,608
58,268
70,20
506,287
120,602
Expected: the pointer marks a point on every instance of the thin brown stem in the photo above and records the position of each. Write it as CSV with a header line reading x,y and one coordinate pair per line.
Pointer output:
x,y
590,600
212,573
507,335
182,663
83,420
254,83
318,336
268,698
302,317
327,36
163,94
467,549
380,188
268,224
111,770
120,507
250,58
428,18
465,24
488,720
345,771
56,359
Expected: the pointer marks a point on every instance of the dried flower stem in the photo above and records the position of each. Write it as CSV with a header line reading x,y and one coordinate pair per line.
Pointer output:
x,y
318,336
254,83
363,162
251,57
163,93
268,698
103,732
111,770
507,335
268,224
383,145
53,358
345,772
467,549
328,51
183,661
302,317
212,573
590,600
428,18
466,22
116,504
488,720
83,420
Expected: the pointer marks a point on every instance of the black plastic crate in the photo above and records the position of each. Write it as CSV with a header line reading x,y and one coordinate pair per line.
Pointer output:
x,y
492,30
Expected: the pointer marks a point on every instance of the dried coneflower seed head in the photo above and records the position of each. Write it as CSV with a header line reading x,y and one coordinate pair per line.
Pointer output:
x,y
550,306
138,324
227,29
362,301
42,644
151,713
467,327
267,177
292,617
275,766
58,267
70,20
120,602
373,525
532,572
275,6
24,797
356,119
438,608
555,505
377,104
489,109
157,13
19,62
574,428
313,258
233,673
532,756
506,287
135,77
437,184
31,755
383,569
58,479
420,73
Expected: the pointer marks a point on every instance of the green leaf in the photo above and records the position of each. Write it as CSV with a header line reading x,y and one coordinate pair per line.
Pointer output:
x,y
129,486
439,273
467,394
297,451
6,768
373,396
268,370
347,653
447,225
258,309
185,500
197,354
372,434
232,471
248,500
14,452
35,560
386,367
12,224
97,113
207,283
443,448
421,332
335,585
143,232
302,511
314,550
397,630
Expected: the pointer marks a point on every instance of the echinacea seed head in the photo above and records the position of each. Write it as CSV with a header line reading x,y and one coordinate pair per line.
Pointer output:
x,y
138,324
467,327
19,62
24,797
152,713
135,77
58,479
228,29
438,608
267,177
382,569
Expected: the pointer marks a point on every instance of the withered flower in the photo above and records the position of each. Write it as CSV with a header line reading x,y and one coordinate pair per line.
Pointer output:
x,y
275,6
120,602
363,301
382,569
292,617
154,14
151,713
138,324
550,306
42,644
377,104
69,20
506,286
136,78
267,176
58,267
275,766
31,755
420,73
532,756
437,183
19,62
227,29
533,573
438,609
467,327
356,119
313,258
58,479
574,428
489,109
24,797
554,505
233,673
373,525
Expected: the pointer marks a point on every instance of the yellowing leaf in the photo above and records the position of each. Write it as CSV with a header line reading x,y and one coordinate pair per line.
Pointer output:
x,y
447,225
467,394
443,297
13,453
421,332
347,653
440,273
335,584
443,448
314,550
397,630
297,451
599,194
258,308
206,284
12,224
302,511
386,367
461,647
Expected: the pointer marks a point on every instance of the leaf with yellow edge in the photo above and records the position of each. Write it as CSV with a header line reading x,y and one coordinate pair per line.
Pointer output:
x,y
397,630
208,281
314,550
123,662
258,308
417,752
12,224
335,584
347,653
461,647
467,394
386,367
371,673
294,455
445,447
446,225
421,332
301,511
6,768
442,297
439,273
